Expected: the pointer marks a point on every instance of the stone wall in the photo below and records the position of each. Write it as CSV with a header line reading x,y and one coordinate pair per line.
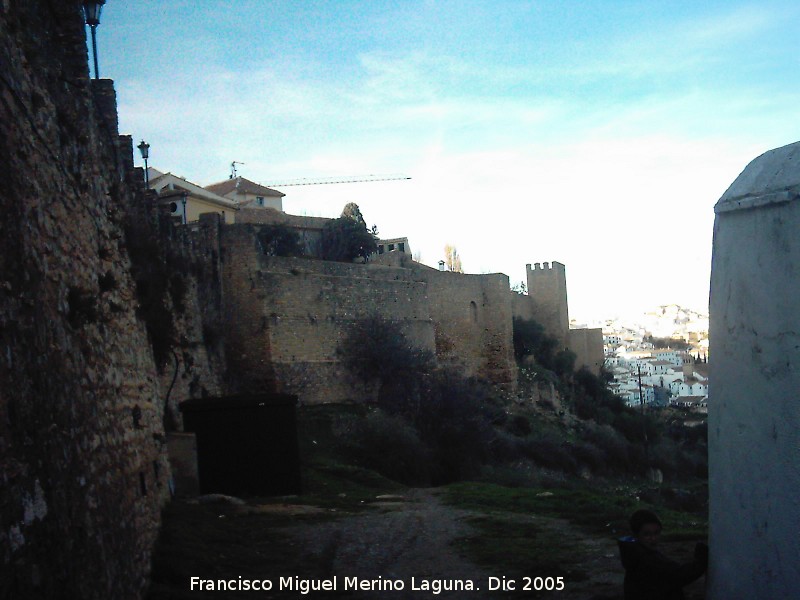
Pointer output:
x,y
547,288
309,228
197,365
753,408
83,473
587,344
472,316
286,317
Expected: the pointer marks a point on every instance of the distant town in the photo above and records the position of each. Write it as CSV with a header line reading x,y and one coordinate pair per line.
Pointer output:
x,y
661,357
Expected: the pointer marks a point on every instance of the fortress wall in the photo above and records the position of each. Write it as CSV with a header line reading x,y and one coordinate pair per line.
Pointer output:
x,y
472,317
587,344
83,471
523,306
289,315
547,288
309,228
197,365
247,346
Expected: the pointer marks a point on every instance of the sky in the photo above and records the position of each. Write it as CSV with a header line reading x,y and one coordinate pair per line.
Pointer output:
x,y
598,134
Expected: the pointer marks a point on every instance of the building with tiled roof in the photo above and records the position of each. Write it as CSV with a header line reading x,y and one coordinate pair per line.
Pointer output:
x,y
186,200
246,193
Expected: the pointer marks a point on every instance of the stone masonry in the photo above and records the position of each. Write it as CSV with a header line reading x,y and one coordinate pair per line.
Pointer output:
x,y
83,473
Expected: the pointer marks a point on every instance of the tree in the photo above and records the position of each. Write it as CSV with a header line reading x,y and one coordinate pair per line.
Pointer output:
x,y
531,340
376,350
351,211
347,238
280,240
452,259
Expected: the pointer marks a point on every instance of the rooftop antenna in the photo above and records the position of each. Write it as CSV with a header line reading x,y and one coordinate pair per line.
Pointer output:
x,y
233,169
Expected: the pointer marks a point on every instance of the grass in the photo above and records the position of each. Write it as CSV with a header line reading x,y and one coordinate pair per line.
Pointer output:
x,y
596,510
519,548
509,539
331,484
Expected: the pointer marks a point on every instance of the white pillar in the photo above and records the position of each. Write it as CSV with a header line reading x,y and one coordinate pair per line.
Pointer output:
x,y
754,400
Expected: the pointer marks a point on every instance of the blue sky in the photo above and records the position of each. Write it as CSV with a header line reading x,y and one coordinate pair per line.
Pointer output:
x,y
597,134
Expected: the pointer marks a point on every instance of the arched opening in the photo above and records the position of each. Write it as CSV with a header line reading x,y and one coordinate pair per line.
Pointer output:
x,y
473,312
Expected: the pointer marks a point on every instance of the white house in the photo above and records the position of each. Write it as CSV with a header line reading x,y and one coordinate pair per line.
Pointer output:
x,y
186,200
690,387
246,193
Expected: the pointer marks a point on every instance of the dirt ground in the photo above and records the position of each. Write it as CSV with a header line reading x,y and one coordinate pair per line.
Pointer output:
x,y
411,539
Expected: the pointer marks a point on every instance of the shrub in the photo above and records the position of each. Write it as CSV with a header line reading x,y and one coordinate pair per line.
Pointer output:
x,y
612,444
531,340
347,238
280,240
454,417
549,449
375,350
389,445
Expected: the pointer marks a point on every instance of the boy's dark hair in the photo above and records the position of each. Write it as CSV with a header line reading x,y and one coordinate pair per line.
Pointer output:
x,y
641,518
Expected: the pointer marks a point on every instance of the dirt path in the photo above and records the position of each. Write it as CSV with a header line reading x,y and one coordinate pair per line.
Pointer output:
x,y
413,538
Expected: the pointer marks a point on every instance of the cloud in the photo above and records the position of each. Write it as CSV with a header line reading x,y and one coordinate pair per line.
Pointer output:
x,y
607,158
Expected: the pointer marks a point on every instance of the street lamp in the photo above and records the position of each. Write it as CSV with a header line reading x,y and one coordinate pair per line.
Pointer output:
x,y
144,148
91,11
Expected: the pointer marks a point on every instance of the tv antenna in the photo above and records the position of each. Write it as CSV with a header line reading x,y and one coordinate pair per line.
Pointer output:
x,y
233,169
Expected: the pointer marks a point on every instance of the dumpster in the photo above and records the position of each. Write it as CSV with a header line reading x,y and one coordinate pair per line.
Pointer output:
x,y
246,444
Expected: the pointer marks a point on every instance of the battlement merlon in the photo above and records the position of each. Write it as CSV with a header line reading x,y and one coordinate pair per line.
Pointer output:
x,y
546,267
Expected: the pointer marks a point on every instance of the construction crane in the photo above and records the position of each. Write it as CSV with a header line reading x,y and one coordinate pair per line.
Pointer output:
x,y
331,180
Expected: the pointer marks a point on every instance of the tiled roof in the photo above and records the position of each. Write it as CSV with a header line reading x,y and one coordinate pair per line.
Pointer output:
x,y
164,181
242,186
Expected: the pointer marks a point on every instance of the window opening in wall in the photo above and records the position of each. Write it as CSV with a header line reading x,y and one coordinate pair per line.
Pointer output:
x,y
260,200
401,246
391,247
473,312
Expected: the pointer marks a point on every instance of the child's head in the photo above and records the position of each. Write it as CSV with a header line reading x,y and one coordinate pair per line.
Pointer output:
x,y
646,526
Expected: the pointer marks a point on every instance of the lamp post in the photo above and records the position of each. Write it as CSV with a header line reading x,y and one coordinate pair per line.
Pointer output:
x,y
91,11
144,148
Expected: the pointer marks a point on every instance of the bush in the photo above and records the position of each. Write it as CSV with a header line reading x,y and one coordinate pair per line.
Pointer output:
x,y
531,340
454,417
347,238
280,240
375,350
451,416
614,446
389,445
549,449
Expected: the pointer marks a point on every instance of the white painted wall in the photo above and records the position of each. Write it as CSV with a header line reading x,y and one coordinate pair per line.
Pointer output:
x,y
754,403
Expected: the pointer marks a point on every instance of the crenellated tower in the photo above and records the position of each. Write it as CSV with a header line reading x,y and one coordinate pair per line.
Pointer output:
x,y
547,288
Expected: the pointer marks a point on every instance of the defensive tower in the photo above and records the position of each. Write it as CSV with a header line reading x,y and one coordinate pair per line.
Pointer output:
x,y
547,287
